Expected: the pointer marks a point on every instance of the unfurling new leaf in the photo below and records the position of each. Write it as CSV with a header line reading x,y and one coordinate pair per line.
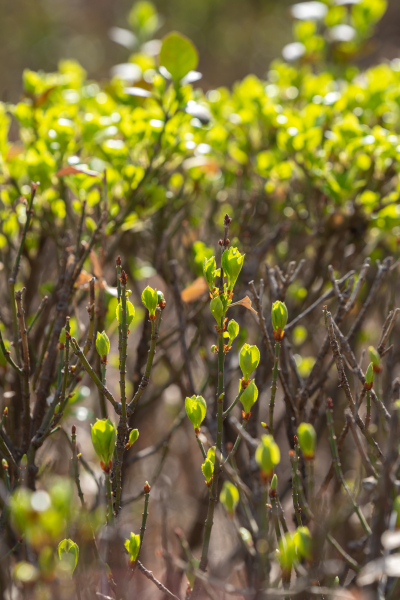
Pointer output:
x,y
229,497
267,455
150,300
233,330
303,542
130,312
133,546
249,396
208,469
217,309
232,262
104,436
249,358
210,272
68,551
196,409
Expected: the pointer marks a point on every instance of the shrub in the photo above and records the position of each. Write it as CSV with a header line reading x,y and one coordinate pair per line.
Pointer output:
x,y
105,186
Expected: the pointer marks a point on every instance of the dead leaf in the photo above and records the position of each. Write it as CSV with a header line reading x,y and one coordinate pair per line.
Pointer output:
x,y
83,279
195,290
97,270
246,302
77,170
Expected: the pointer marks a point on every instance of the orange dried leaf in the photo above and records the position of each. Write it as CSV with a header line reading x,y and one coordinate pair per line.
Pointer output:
x,y
195,290
97,270
246,302
78,170
83,278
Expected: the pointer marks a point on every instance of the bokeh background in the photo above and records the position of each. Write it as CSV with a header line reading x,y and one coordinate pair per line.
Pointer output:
x,y
234,37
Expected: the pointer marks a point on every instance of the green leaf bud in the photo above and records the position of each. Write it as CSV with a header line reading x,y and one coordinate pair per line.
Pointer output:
x,y
370,375
102,343
150,300
307,440
104,436
196,409
279,316
274,482
217,309
229,497
208,469
267,455
232,262
133,546
374,357
233,330
249,396
63,336
68,551
160,296
303,542
130,312
287,552
133,436
214,349
249,357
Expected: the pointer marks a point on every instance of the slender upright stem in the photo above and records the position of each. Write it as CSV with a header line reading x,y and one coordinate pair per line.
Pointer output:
x,y
13,279
295,488
93,375
232,406
236,444
338,469
37,314
368,417
123,422
75,466
103,407
110,513
273,388
26,418
155,328
202,450
63,399
145,514
90,309
7,356
43,353
310,481
14,320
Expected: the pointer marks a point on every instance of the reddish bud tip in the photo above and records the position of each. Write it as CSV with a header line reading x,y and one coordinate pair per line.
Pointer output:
x,y
73,429
118,261
178,532
329,404
227,220
220,242
296,439
123,278
147,488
